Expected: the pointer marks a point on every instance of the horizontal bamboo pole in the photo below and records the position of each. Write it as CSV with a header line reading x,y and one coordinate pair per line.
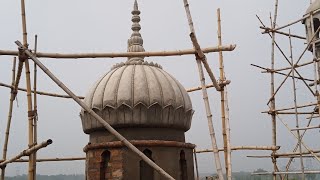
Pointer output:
x,y
289,156
294,113
268,30
41,92
106,125
272,71
290,108
306,128
288,172
296,66
27,152
126,54
235,148
81,97
50,159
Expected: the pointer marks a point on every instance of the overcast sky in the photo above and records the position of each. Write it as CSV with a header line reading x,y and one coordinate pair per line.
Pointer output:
x,y
104,26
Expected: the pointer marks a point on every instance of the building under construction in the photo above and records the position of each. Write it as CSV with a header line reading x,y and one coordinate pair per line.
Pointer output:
x,y
137,114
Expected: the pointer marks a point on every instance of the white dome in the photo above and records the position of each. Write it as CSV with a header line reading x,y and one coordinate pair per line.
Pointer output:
x,y
138,94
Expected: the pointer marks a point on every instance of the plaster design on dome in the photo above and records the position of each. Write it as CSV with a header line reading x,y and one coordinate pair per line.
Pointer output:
x,y
137,93
314,6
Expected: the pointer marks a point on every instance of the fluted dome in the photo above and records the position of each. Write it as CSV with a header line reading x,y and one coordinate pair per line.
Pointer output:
x,y
138,94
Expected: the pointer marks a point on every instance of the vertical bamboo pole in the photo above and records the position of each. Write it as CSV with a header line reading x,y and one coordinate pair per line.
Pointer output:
x,y
31,171
95,115
296,109
12,97
225,121
196,163
273,101
206,100
35,107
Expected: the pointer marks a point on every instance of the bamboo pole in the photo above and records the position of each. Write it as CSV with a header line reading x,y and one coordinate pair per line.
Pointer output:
x,y
306,128
125,54
95,115
268,30
296,109
297,66
294,172
50,160
273,101
273,71
292,23
225,121
205,98
35,108
290,108
82,97
196,163
237,148
27,152
6,138
284,157
31,167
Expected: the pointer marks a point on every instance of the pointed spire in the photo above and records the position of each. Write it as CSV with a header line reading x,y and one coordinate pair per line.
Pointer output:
x,y
135,43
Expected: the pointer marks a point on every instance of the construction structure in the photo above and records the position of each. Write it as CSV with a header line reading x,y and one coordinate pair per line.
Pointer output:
x,y
303,87
128,142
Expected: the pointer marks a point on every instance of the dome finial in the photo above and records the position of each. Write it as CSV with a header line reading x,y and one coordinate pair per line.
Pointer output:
x,y
135,43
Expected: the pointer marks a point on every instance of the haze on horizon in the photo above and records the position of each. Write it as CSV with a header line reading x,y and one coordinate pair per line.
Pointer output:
x,y
104,26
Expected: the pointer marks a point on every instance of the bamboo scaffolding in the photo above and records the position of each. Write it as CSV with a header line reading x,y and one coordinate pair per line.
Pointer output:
x,y
287,59
225,121
27,152
125,54
96,116
296,109
269,71
205,97
293,172
295,149
302,143
7,134
237,148
196,164
268,30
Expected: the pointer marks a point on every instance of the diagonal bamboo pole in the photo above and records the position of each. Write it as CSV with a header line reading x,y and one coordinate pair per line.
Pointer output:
x,y
26,152
296,147
267,30
95,115
205,97
296,109
6,139
225,121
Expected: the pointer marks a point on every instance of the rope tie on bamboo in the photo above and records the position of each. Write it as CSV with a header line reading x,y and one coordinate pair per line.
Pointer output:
x,y
31,113
22,55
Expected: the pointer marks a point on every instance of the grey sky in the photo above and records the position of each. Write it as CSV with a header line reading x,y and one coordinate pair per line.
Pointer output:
x,y
104,26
